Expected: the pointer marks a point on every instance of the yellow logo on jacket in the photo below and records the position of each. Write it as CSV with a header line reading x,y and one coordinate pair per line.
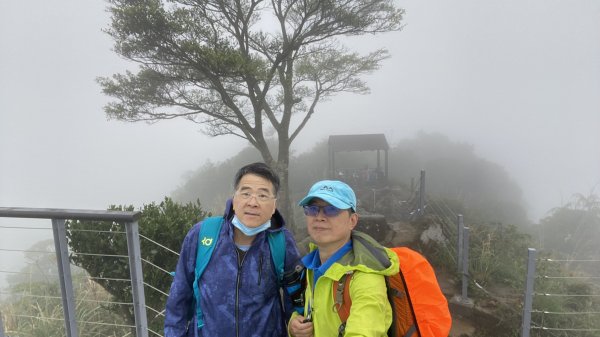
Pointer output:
x,y
206,241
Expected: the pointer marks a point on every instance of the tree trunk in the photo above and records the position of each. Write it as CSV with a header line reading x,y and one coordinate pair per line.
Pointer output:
x,y
284,203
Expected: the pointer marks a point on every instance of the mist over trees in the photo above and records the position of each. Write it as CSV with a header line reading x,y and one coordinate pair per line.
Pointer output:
x,y
251,69
572,230
454,171
34,306
484,190
40,266
212,183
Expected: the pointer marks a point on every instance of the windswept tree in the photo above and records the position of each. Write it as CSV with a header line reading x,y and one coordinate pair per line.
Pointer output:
x,y
249,68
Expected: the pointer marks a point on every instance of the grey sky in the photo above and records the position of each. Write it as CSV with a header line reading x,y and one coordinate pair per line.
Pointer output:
x,y
520,80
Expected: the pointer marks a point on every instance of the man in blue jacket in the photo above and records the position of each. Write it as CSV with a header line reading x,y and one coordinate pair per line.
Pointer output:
x,y
239,290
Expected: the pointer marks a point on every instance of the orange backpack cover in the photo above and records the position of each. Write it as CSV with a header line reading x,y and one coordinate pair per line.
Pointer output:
x,y
419,307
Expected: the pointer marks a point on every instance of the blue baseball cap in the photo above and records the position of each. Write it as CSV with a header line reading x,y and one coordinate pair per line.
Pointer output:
x,y
335,192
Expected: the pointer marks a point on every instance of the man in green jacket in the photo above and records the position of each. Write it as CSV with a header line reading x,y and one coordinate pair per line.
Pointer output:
x,y
339,251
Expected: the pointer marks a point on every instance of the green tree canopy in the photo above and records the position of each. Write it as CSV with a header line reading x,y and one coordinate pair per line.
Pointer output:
x,y
249,68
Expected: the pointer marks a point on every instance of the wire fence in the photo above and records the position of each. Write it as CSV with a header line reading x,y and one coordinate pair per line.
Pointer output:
x,y
566,304
33,298
573,290
156,313
47,295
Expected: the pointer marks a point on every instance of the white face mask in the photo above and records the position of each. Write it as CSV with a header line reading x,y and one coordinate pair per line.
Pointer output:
x,y
249,231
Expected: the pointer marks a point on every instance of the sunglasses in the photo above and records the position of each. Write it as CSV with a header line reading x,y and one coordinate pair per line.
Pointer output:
x,y
329,210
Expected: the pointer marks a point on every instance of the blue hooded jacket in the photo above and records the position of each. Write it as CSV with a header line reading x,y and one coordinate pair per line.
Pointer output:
x,y
238,299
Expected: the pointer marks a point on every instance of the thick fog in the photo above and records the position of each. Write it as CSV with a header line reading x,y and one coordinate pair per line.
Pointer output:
x,y
520,80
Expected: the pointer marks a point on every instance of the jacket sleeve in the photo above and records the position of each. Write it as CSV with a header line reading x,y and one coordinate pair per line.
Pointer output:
x,y
292,258
369,305
179,309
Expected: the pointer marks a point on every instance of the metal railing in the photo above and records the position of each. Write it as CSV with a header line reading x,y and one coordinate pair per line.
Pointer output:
x,y
530,294
58,218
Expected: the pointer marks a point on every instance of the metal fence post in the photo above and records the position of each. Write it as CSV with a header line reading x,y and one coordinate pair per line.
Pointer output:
x,y
1,326
374,200
528,302
465,266
422,193
64,271
459,249
137,279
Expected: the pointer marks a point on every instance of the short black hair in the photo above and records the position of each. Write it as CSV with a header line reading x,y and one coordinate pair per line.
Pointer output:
x,y
259,169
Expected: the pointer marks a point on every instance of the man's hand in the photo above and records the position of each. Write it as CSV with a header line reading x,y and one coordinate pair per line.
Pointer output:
x,y
300,327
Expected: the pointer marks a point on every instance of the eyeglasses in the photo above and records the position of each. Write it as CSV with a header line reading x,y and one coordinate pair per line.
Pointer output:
x,y
329,210
262,197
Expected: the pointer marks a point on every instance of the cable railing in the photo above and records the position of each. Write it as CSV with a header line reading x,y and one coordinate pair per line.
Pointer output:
x,y
580,318
159,245
163,293
443,218
71,296
579,302
106,279
80,301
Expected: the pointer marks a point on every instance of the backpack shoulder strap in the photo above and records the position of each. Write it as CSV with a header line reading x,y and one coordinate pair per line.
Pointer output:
x,y
277,245
342,300
207,239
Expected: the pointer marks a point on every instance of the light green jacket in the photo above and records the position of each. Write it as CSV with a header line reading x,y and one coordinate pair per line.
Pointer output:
x,y
370,314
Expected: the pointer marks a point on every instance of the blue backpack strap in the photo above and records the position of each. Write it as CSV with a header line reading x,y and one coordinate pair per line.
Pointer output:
x,y
207,239
277,245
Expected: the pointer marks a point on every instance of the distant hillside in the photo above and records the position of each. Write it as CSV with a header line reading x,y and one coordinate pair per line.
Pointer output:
x,y
485,190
